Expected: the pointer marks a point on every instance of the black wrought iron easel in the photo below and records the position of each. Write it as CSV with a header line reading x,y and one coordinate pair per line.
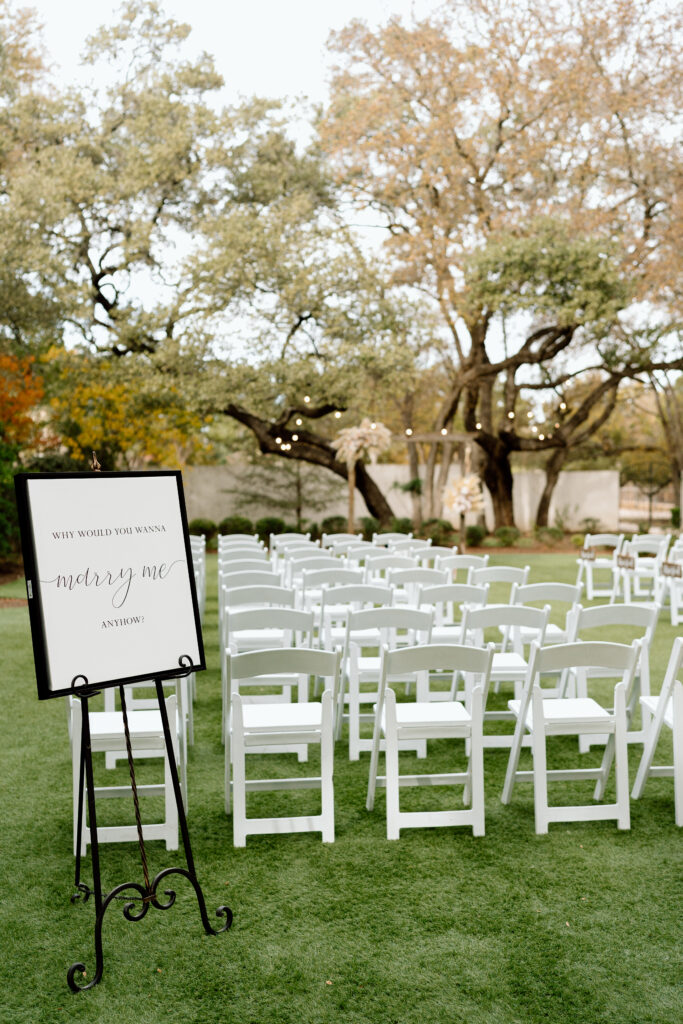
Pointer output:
x,y
140,895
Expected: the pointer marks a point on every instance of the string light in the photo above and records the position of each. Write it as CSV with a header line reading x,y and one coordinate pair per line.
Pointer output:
x,y
337,415
373,426
409,432
534,428
443,431
530,415
541,437
299,422
511,415
307,398
478,425
295,437
278,440
563,405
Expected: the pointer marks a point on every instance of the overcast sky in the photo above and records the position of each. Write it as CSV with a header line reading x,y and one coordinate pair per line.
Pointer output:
x,y
264,47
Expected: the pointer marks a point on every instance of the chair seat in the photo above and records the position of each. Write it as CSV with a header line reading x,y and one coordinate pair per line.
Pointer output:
x,y
282,717
583,710
651,704
108,725
446,634
431,714
508,665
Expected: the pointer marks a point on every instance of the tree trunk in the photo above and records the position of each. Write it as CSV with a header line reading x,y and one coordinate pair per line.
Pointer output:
x,y
352,496
497,476
415,496
552,471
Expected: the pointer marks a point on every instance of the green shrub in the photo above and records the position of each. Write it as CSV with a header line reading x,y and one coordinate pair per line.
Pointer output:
x,y
439,531
400,524
369,526
269,525
236,524
676,517
643,526
590,525
334,524
549,534
315,531
474,535
205,526
578,539
507,535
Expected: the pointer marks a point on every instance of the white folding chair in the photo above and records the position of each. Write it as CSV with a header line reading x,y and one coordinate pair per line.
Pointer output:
x,y
504,577
385,539
428,556
568,716
253,629
315,581
406,583
669,583
623,623
461,564
367,631
107,736
334,540
666,709
338,601
444,599
378,566
563,598
256,727
408,722
599,555
638,567
509,663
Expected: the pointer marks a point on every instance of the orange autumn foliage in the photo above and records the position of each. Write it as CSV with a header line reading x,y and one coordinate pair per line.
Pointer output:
x,y
20,392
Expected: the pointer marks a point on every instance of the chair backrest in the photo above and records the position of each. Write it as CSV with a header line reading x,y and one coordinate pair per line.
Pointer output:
x,y
650,546
613,541
599,658
428,556
383,539
511,617
445,596
301,661
317,578
278,541
262,594
409,581
565,594
472,662
462,563
411,545
332,540
378,566
296,625
243,565
226,539
507,575
250,578
240,552
387,625
640,619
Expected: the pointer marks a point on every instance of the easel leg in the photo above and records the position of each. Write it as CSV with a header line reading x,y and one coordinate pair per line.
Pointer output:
x,y
141,897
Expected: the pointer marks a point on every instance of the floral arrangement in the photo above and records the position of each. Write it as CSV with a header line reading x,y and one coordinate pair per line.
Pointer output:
x,y
367,440
462,496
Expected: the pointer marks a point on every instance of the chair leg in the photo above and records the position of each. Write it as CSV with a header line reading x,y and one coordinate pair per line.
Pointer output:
x,y
513,760
354,721
374,760
327,767
476,773
538,750
621,758
391,759
678,752
239,796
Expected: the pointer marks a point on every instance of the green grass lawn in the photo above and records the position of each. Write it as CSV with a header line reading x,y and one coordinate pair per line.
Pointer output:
x,y
581,925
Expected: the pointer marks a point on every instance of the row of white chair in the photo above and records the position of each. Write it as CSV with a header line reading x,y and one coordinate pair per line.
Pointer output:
x,y
412,724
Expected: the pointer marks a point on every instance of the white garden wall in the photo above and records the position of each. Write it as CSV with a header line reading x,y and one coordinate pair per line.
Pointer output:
x,y
210,492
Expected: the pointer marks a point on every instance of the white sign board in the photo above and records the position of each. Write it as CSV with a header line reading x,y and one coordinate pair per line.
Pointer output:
x,y
109,578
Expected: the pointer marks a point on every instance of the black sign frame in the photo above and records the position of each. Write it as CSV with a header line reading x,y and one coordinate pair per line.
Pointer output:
x,y
172,664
